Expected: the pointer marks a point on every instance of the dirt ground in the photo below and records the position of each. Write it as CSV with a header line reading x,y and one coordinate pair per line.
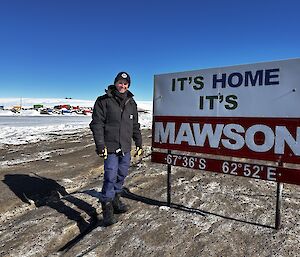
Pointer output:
x,y
49,207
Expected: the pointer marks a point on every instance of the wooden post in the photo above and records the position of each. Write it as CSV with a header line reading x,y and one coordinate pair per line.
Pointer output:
x,y
278,205
169,183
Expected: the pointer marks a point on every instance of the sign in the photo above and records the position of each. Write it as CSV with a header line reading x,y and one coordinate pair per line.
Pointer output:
x,y
249,170
247,111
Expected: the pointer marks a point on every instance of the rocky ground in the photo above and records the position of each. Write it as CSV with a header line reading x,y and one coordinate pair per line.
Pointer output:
x,y
49,207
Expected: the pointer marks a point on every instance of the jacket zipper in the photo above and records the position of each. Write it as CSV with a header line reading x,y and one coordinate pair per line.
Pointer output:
x,y
122,110
124,107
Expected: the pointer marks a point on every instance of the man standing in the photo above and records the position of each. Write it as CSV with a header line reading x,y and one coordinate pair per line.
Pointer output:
x,y
114,125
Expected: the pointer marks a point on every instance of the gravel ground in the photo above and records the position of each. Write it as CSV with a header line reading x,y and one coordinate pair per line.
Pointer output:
x,y
49,207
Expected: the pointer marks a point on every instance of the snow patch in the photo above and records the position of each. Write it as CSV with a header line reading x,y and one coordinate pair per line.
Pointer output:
x,y
29,126
25,159
164,208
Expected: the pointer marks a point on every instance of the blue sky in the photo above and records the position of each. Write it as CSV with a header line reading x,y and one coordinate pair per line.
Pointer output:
x,y
74,48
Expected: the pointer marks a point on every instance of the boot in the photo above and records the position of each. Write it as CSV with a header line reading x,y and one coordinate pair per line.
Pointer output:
x,y
119,207
108,214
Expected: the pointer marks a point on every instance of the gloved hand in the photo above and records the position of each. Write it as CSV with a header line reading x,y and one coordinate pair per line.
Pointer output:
x,y
139,151
102,152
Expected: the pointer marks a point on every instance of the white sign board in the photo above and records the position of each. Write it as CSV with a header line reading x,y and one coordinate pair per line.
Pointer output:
x,y
249,111
270,89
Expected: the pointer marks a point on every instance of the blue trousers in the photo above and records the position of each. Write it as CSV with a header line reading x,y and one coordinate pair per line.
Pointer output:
x,y
115,171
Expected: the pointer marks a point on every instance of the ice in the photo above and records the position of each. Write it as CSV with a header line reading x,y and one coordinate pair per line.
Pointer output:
x,y
145,105
145,120
29,126
22,130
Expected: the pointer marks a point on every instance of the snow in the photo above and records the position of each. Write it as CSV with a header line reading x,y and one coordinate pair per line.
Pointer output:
x,y
30,126
28,129
145,105
6,113
164,208
25,159
22,113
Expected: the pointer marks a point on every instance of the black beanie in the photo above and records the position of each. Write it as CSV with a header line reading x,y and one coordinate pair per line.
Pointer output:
x,y
122,75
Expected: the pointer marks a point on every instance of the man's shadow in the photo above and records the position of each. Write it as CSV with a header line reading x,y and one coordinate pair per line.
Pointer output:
x,y
47,192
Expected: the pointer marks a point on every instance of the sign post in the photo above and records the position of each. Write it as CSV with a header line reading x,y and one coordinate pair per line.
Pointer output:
x,y
247,111
169,183
278,205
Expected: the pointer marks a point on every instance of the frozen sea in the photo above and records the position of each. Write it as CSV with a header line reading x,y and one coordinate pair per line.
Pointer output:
x,y
42,121
30,126
28,129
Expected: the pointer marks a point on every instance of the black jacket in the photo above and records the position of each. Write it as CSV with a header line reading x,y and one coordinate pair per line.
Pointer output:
x,y
114,126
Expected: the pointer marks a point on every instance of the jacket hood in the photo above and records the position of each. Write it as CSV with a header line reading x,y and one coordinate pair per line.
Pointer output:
x,y
112,88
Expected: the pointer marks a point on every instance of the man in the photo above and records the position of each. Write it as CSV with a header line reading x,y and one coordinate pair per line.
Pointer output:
x,y
114,125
